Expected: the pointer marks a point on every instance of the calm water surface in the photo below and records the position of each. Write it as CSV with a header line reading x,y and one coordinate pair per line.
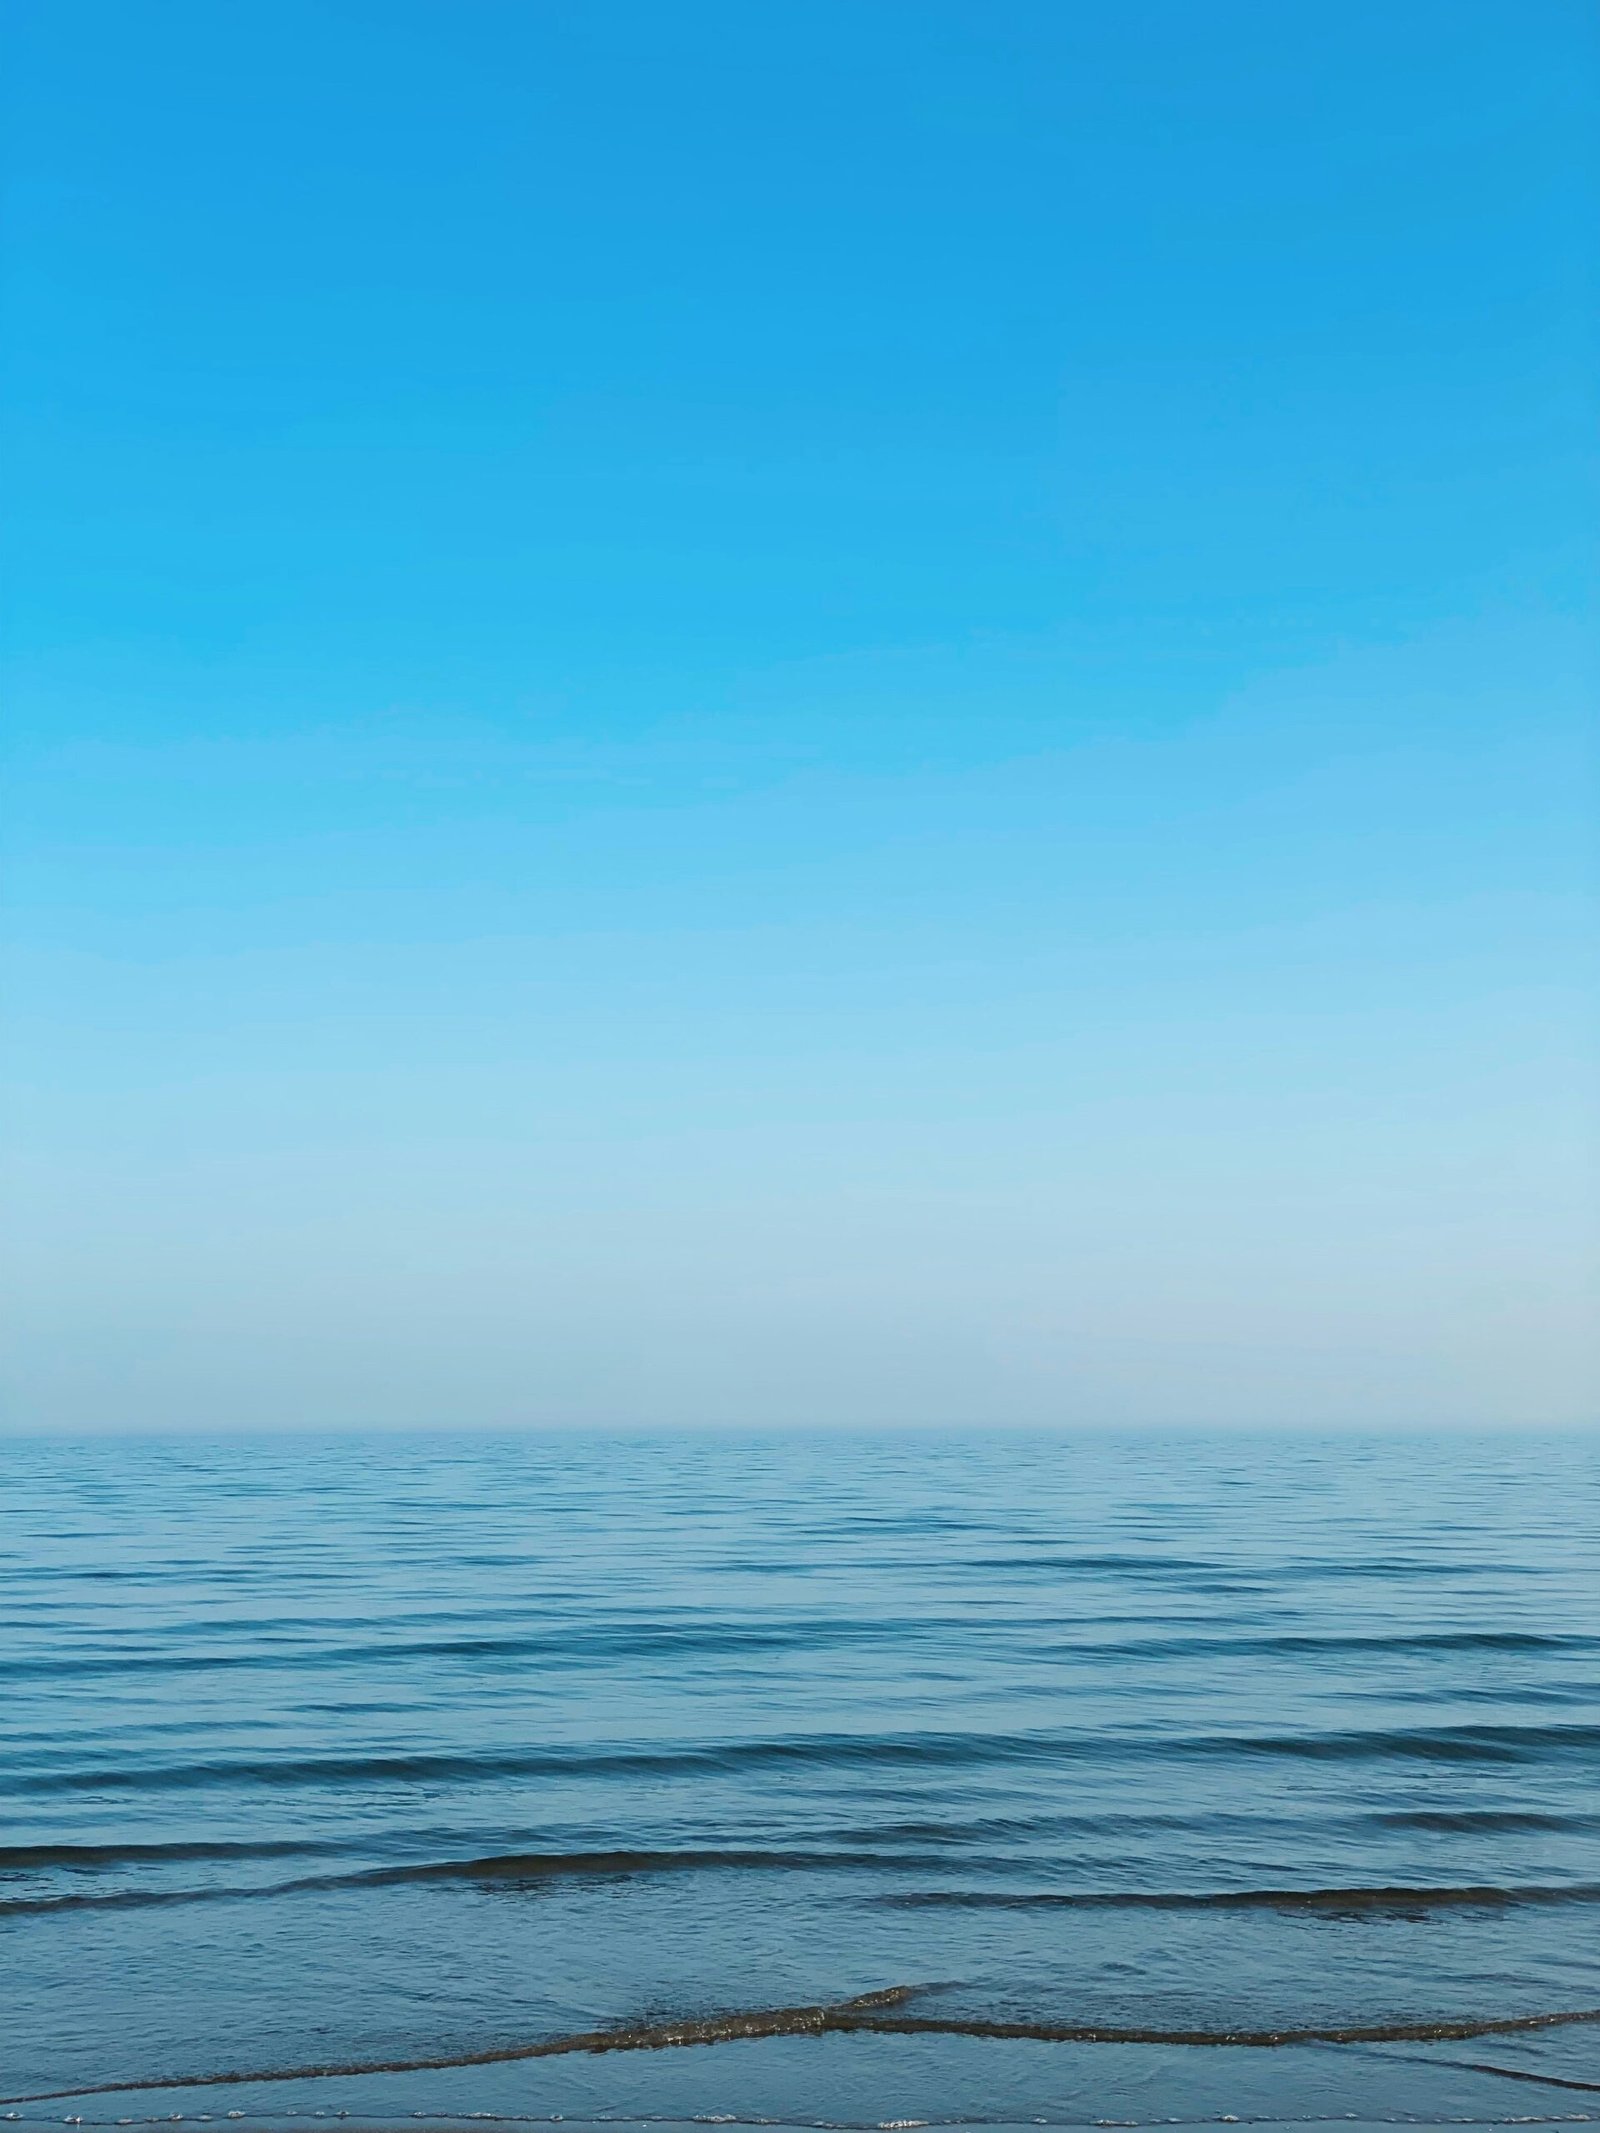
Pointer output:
x,y
1059,1760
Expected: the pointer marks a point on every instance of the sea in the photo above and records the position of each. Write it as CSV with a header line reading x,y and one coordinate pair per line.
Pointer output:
x,y
806,1779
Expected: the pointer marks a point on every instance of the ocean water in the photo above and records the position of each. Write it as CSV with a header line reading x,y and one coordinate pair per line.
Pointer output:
x,y
820,1780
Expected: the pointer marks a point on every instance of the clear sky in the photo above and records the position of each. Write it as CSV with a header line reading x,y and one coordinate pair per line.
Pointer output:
x,y
873,711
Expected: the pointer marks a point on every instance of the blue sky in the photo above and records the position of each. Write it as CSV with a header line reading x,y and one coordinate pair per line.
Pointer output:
x,y
863,713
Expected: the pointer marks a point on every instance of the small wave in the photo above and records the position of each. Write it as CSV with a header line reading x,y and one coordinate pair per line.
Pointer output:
x,y
517,1867
585,1647
124,1900
1514,2073
580,1645
1440,1744
1444,1744
1246,1645
1241,1575
24,1857
869,2013
512,1870
1481,1821
1398,1901
1123,1565
530,1871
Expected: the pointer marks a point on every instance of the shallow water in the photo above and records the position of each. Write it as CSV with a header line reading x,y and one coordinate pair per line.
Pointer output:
x,y
443,1761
